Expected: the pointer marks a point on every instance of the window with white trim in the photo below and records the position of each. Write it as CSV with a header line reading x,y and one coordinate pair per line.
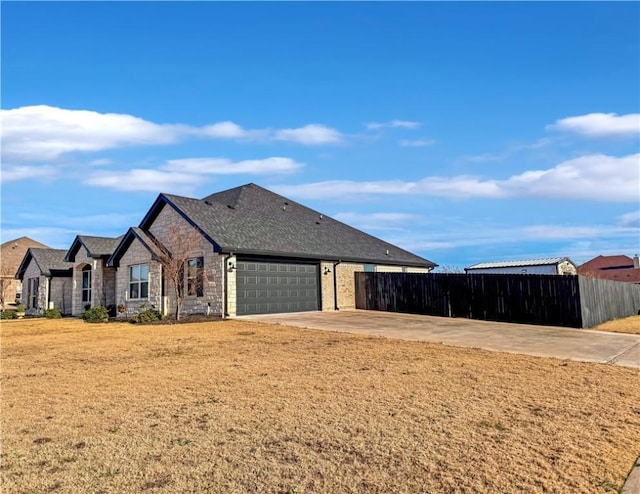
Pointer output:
x,y
139,281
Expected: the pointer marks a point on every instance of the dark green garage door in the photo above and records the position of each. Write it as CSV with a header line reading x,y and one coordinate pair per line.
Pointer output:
x,y
273,287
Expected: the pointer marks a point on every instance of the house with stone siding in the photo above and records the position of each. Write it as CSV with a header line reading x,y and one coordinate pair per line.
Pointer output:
x,y
12,253
257,252
47,281
93,282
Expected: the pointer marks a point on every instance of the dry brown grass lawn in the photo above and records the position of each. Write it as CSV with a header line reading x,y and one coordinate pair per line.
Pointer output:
x,y
240,407
624,325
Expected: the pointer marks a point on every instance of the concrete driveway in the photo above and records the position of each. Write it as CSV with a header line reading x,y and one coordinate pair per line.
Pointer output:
x,y
542,341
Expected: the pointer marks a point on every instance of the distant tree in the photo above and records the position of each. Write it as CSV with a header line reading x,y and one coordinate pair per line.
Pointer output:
x,y
176,256
4,288
449,269
6,282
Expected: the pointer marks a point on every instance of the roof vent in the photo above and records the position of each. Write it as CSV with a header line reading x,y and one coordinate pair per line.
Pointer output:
x,y
231,206
321,217
284,208
386,252
208,203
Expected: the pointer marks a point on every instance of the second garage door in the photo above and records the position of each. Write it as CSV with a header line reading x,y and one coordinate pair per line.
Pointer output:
x,y
273,287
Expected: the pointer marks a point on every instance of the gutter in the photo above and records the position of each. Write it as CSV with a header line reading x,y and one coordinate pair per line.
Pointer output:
x,y
335,286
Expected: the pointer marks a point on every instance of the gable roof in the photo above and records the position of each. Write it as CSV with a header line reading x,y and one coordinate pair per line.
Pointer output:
x,y
252,220
517,264
606,262
126,240
614,268
12,252
96,247
50,262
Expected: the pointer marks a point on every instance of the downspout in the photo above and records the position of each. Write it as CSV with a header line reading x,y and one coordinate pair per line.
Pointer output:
x,y
224,285
46,305
335,285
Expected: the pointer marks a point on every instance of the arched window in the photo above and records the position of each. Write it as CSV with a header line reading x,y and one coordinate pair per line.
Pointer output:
x,y
86,284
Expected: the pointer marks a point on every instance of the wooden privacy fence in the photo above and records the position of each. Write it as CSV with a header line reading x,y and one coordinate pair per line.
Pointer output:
x,y
548,300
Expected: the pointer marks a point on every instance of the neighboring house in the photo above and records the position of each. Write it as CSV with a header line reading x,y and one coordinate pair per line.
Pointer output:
x,y
554,265
11,255
94,283
257,252
614,268
46,278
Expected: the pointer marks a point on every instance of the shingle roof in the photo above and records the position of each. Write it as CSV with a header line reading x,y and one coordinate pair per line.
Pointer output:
x,y
12,253
253,220
517,264
125,242
47,260
96,246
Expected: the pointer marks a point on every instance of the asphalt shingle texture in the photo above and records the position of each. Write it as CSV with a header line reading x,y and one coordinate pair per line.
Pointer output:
x,y
50,260
100,246
253,220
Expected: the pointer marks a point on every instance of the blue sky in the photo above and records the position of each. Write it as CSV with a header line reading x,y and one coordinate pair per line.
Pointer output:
x,y
464,132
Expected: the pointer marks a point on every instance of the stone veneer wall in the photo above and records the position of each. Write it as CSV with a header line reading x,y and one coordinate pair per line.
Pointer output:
x,y
232,292
138,254
212,300
108,284
102,283
60,294
33,271
389,269
326,286
565,267
56,297
417,270
345,273
346,282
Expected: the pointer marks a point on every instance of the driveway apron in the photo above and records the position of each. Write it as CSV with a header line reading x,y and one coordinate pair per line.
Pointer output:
x,y
541,341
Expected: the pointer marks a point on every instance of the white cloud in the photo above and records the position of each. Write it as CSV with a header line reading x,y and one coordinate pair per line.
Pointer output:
x,y
556,232
231,130
417,142
485,157
592,177
224,166
37,133
460,186
600,125
377,221
508,152
404,124
560,240
312,134
631,219
225,130
12,173
144,180
44,133
184,175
